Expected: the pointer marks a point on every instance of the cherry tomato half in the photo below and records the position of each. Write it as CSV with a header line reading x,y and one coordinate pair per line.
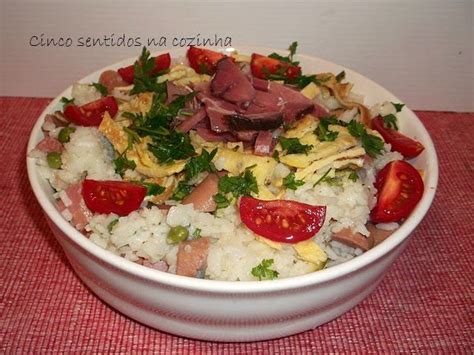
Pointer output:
x,y
119,197
91,114
406,146
203,61
399,187
281,220
261,66
162,62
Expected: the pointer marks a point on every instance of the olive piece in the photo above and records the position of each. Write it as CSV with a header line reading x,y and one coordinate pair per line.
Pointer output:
x,y
64,135
177,234
54,160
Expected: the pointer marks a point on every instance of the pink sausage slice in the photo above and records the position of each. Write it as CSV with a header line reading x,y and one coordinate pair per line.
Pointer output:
x,y
192,256
202,197
378,235
355,240
49,145
111,79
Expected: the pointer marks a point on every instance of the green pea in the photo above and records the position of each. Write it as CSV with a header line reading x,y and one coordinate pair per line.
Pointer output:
x,y
54,160
64,135
177,234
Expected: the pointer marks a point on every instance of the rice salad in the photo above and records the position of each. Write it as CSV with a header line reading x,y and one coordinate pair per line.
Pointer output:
x,y
228,167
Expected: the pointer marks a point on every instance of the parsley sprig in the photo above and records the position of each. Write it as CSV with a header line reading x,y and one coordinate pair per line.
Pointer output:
x,y
65,101
294,146
182,190
170,146
299,81
323,132
153,189
373,145
200,163
289,58
167,143
144,77
194,166
290,181
121,164
263,271
242,185
390,120
100,88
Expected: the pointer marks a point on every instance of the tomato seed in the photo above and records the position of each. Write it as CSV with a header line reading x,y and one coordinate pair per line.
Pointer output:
x,y
284,223
268,219
258,220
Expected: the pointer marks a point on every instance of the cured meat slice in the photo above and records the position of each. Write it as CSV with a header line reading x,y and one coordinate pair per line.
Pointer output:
x,y
294,103
231,84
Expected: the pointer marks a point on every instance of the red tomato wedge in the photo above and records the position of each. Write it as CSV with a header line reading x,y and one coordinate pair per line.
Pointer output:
x,y
400,187
117,197
281,220
91,114
162,62
203,61
261,66
406,146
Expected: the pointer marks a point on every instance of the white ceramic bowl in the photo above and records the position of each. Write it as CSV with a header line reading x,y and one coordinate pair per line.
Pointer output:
x,y
237,311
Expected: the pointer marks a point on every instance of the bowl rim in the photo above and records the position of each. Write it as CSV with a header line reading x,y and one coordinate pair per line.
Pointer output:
x,y
238,287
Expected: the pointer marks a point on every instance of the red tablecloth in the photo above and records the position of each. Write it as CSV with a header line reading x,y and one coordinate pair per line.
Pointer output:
x,y
424,305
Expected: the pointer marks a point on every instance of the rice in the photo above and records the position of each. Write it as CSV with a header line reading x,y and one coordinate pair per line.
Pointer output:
x,y
234,251
87,153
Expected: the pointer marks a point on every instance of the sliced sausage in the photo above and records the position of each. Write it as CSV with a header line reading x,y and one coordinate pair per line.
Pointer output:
x,y
49,145
202,197
355,240
159,265
192,257
111,79
378,235
80,214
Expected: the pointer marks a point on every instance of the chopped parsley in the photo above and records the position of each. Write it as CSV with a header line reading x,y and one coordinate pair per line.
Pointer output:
x,y
373,145
390,121
288,59
398,106
121,164
171,146
353,176
332,181
65,101
153,189
221,201
341,76
293,146
323,132
242,185
322,177
196,234
182,190
168,144
263,271
290,181
100,88
276,156
144,79
200,163
300,81
112,224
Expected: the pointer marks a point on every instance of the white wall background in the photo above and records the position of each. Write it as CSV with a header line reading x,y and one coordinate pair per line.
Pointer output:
x,y
421,50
